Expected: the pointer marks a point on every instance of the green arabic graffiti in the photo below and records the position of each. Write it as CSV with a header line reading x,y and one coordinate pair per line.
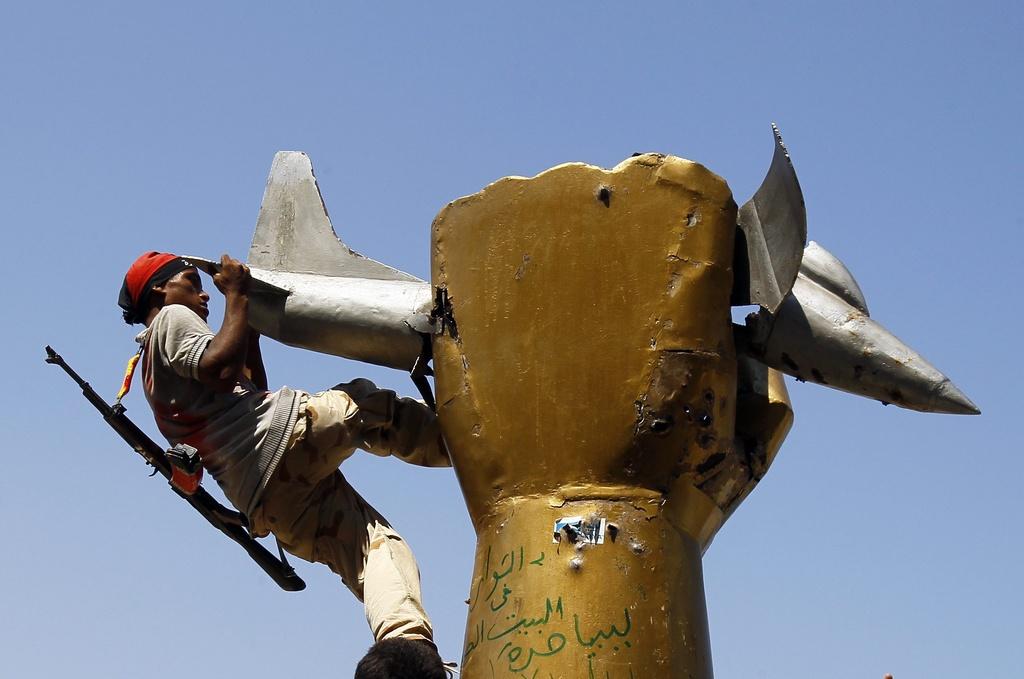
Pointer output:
x,y
614,631
513,562
555,643
523,623
549,608
519,633
505,591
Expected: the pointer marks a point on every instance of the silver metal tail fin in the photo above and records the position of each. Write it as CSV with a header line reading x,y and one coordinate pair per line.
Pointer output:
x,y
772,234
294,232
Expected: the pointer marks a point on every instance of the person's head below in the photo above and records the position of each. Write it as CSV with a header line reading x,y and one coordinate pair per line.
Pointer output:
x,y
156,280
401,659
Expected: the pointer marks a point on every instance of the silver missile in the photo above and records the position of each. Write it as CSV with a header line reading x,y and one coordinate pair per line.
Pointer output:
x,y
822,333
312,291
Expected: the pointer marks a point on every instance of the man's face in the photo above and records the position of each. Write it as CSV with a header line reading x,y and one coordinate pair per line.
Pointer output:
x,y
186,288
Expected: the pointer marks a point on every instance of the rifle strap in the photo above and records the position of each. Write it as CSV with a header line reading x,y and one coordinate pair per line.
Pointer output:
x,y
280,549
284,559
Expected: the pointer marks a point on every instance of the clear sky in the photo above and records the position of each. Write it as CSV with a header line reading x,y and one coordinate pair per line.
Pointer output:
x,y
882,540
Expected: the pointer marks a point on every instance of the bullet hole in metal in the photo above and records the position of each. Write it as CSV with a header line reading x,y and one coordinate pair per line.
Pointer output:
x,y
789,362
613,531
709,396
674,282
705,419
661,425
818,377
637,547
692,219
522,267
710,463
576,563
604,194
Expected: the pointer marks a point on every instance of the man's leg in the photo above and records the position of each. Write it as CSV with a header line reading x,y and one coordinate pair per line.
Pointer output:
x,y
358,544
331,524
392,425
318,516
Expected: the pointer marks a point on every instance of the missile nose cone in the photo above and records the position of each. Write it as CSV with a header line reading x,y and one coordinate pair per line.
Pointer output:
x,y
818,336
950,400
912,382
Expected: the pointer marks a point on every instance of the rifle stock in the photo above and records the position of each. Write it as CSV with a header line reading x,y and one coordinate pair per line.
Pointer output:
x,y
231,523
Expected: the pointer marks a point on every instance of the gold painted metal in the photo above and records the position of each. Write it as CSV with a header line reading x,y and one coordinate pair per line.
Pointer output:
x,y
586,368
764,417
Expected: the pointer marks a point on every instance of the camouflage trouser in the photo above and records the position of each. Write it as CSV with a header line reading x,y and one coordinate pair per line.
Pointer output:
x,y
316,515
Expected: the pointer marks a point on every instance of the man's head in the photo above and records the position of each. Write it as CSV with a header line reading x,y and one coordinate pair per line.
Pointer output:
x,y
157,279
401,659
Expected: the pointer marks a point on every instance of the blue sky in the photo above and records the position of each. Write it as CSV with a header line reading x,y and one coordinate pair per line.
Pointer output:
x,y
881,541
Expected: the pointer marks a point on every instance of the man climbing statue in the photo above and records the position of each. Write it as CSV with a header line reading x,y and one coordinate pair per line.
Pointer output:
x,y
275,454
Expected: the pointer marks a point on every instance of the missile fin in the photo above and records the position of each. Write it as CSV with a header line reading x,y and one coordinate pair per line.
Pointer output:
x,y
771,235
294,232
825,269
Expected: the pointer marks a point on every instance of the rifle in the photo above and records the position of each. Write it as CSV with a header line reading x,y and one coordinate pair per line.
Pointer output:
x,y
231,523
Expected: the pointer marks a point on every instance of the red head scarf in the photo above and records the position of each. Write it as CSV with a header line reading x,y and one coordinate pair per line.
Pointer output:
x,y
149,270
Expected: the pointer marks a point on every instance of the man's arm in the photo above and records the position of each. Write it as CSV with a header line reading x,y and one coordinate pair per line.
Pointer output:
x,y
224,359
